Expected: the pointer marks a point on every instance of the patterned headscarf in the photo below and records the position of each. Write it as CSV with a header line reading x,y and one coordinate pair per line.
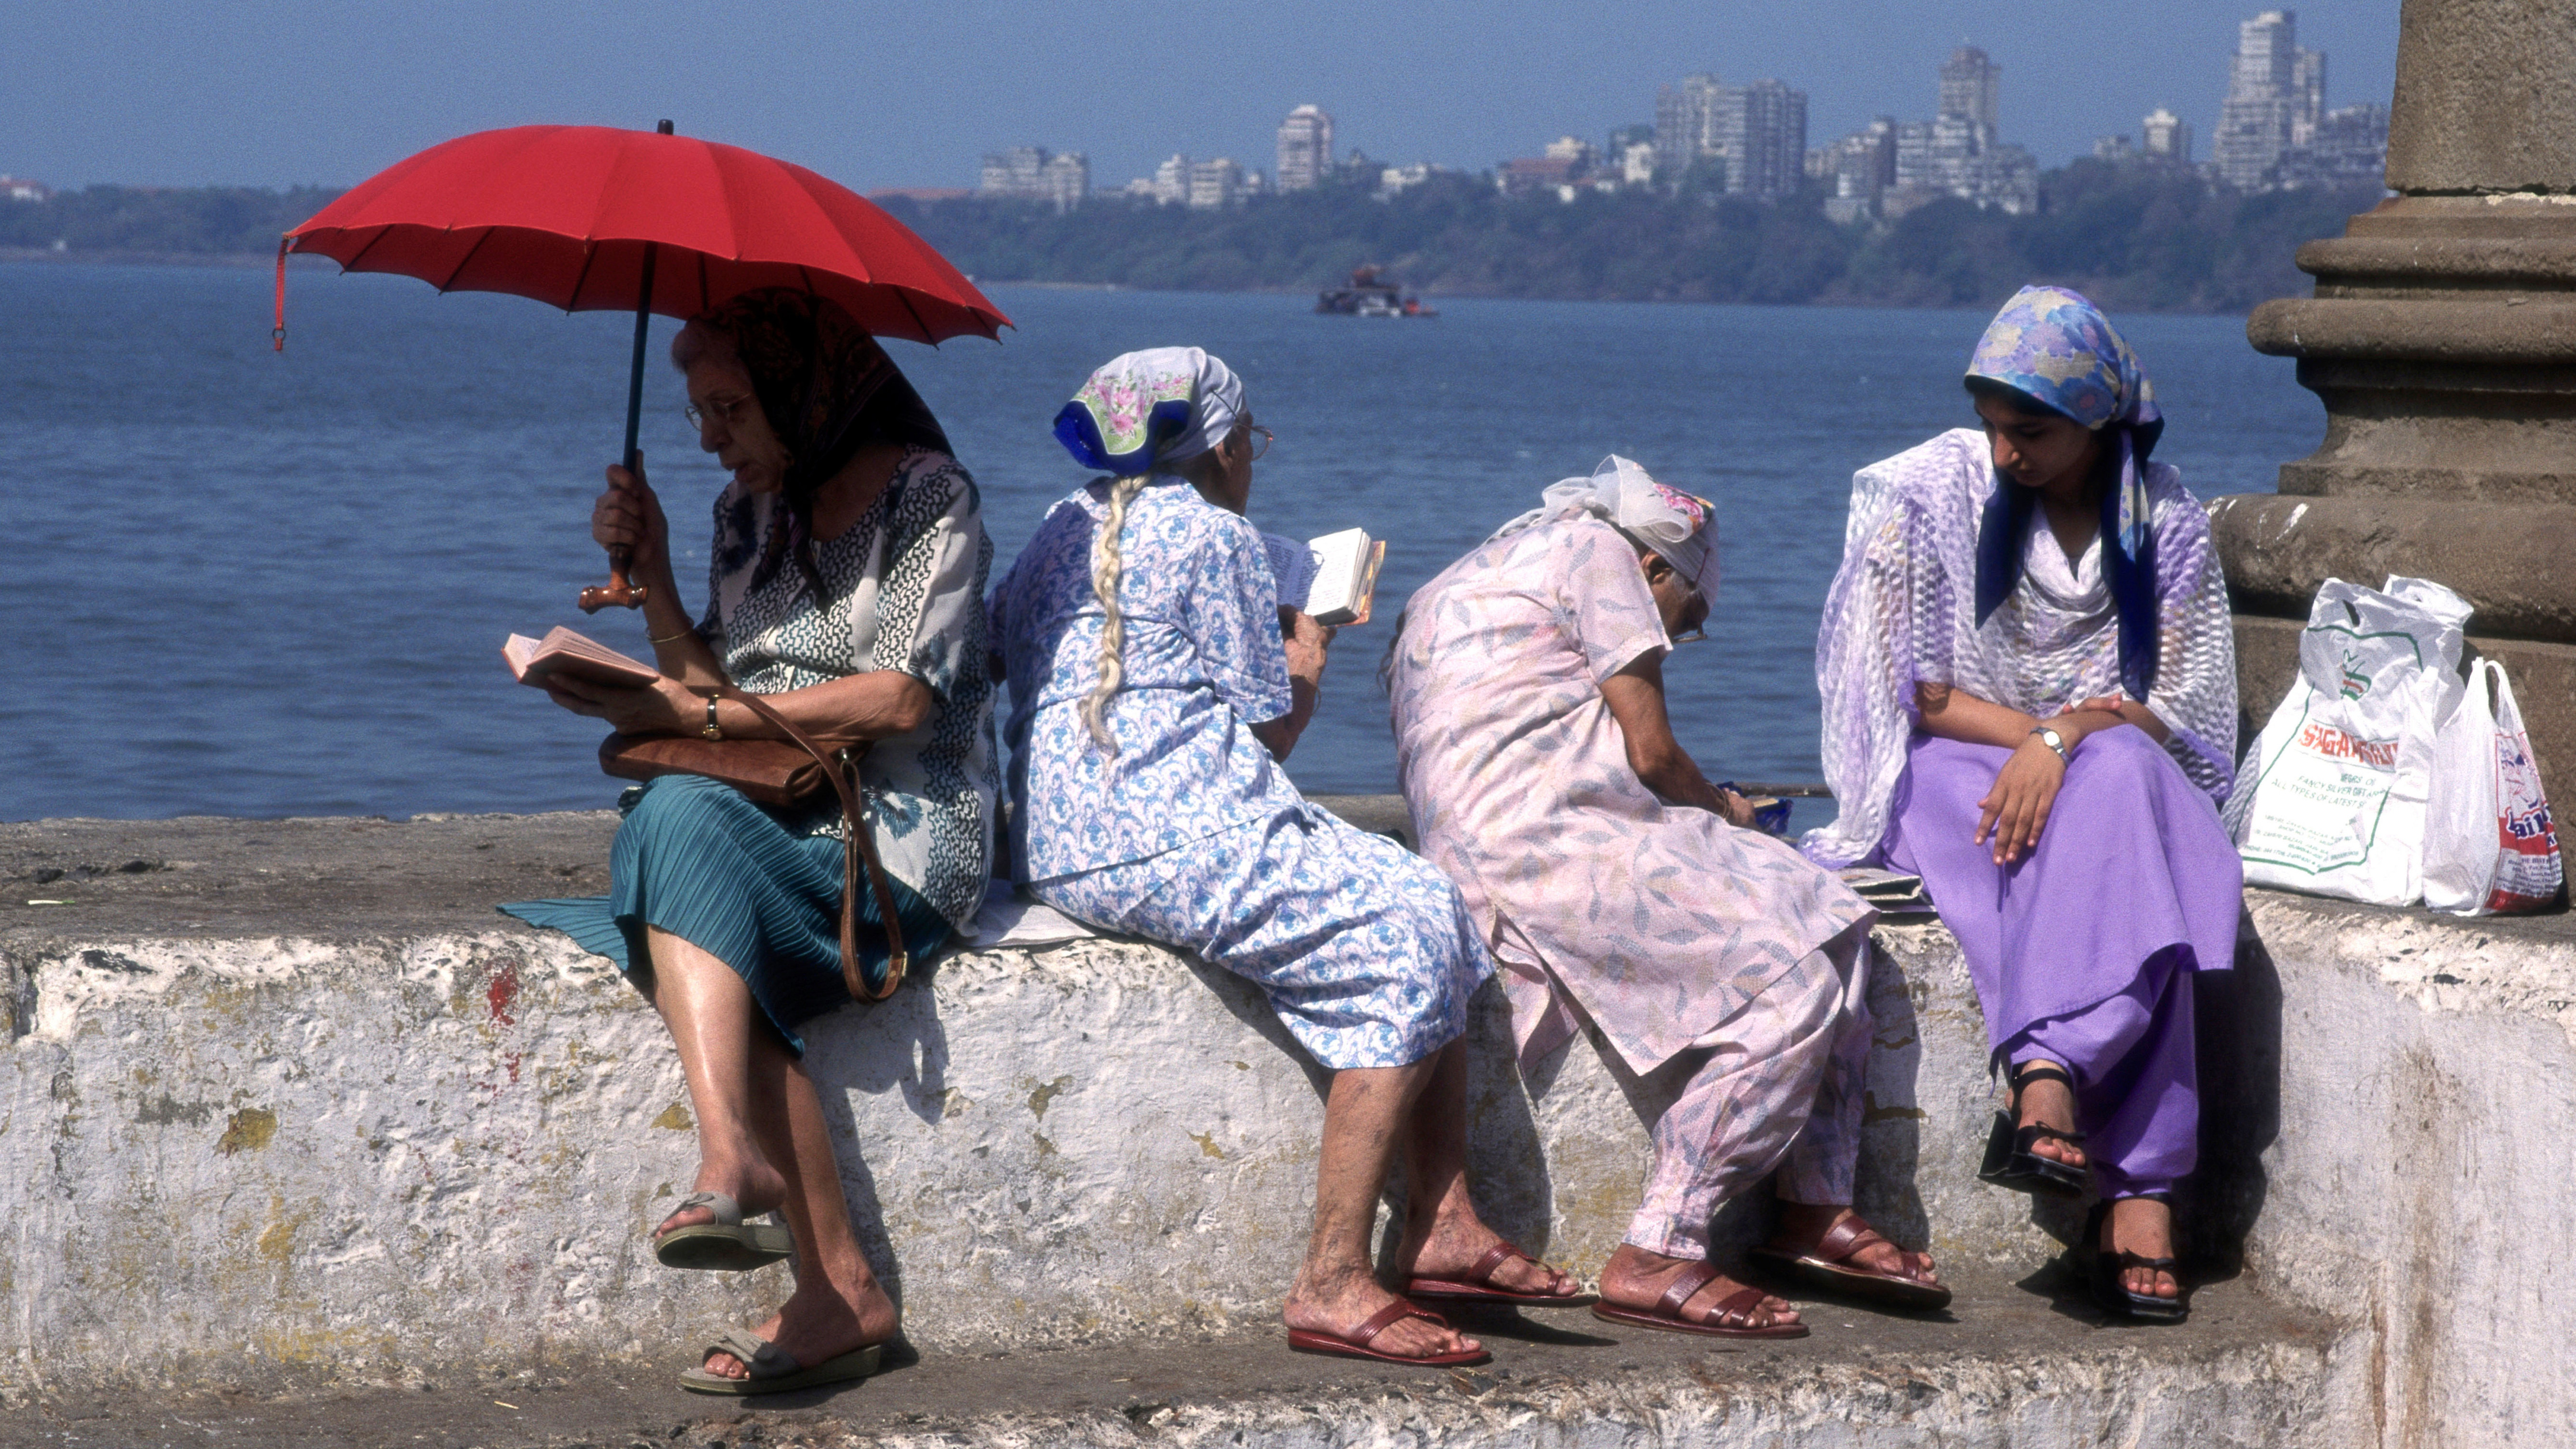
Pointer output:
x,y
827,390
1148,410
2056,347
1682,527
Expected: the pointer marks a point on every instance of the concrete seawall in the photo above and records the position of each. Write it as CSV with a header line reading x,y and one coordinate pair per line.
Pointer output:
x,y
287,1103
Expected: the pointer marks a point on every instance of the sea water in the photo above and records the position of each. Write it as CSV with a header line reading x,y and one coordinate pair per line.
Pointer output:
x,y
246,582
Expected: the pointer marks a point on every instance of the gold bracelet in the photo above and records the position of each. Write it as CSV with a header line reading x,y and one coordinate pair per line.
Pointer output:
x,y
667,638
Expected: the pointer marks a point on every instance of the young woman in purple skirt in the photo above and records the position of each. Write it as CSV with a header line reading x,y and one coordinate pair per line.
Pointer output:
x,y
2030,700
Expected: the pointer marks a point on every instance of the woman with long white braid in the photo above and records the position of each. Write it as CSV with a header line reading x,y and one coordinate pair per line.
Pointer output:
x,y
1156,687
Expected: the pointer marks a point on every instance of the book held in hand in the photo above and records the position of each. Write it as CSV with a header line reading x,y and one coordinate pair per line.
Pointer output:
x,y
572,656
1332,579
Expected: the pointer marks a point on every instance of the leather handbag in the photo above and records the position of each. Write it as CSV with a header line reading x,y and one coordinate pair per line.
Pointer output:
x,y
774,772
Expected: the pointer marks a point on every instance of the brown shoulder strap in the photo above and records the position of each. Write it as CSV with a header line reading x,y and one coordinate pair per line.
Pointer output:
x,y
857,848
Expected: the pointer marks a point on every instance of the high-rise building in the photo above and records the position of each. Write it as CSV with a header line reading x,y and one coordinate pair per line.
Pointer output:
x,y
1215,184
2307,93
2254,122
1956,153
1172,181
1305,148
1065,179
2165,136
1972,88
2346,147
1032,173
1682,114
1756,132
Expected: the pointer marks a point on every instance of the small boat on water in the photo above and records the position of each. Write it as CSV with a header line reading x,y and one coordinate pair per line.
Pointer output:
x,y
1370,295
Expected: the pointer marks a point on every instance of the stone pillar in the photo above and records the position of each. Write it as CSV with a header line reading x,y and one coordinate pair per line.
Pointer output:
x,y
2442,339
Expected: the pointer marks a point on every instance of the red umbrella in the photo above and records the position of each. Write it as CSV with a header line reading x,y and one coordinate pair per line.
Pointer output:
x,y
592,218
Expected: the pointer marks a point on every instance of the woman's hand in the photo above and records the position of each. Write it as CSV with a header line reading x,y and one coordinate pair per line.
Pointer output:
x,y
2017,807
667,708
2129,711
1306,642
628,515
1737,810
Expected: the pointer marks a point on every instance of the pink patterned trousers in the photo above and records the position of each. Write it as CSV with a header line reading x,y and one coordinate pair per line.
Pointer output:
x,y
1777,1086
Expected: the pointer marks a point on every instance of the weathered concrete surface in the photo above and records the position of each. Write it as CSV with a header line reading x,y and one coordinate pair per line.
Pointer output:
x,y
2483,102
2418,1170
2017,1367
260,1142
267,1152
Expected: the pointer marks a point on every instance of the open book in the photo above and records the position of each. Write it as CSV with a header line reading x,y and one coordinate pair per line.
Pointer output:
x,y
534,661
1333,578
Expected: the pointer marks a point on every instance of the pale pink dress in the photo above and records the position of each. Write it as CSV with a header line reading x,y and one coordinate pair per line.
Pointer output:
x,y
1660,921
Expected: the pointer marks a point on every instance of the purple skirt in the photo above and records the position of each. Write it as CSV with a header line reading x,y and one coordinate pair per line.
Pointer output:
x,y
2132,866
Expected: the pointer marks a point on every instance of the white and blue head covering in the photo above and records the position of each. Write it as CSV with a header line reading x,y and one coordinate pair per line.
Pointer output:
x,y
2057,348
1143,412
1682,527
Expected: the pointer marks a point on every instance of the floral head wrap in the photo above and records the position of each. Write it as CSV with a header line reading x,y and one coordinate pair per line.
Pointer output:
x,y
1682,527
2058,348
1145,411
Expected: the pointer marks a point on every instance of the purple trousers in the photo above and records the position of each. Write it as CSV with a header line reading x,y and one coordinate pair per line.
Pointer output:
x,y
2083,952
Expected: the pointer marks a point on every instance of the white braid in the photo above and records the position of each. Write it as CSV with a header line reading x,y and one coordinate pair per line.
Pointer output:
x,y
1105,567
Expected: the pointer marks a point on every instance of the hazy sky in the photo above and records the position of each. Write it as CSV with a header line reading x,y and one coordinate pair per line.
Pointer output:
x,y
190,92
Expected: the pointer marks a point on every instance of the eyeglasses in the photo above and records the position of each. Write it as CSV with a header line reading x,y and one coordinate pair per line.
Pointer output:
x,y
723,412
1261,441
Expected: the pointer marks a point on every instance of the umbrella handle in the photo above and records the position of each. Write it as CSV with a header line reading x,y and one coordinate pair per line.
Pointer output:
x,y
619,590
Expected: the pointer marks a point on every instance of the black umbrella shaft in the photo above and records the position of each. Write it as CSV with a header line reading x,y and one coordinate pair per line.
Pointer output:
x,y
635,376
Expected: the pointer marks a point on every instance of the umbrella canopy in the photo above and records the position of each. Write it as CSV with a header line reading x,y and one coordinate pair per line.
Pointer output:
x,y
565,214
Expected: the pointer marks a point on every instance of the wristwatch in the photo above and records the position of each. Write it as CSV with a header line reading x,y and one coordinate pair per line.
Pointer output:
x,y
2047,736
715,731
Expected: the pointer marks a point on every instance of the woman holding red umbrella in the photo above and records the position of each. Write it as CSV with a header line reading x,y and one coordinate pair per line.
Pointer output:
x,y
845,578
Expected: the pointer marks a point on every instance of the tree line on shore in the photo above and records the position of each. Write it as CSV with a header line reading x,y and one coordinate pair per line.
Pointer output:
x,y
2133,236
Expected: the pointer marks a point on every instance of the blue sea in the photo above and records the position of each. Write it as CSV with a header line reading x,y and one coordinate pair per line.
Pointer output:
x,y
244,582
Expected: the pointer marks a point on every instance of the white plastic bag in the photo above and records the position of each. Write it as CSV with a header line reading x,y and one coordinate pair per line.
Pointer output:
x,y
2332,801
2489,848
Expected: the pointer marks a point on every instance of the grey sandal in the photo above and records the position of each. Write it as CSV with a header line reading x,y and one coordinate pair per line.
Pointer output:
x,y
774,1371
727,1245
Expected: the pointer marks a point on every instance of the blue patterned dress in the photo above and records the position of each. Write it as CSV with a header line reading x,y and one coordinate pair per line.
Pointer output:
x,y
1189,833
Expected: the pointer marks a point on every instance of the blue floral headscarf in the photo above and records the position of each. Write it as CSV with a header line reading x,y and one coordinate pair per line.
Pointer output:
x,y
1148,410
2058,348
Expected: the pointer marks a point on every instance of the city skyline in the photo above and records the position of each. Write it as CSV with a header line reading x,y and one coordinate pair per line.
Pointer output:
x,y
157,93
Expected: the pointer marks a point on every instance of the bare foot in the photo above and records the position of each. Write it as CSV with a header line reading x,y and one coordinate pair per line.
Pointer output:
x,y
2144,1226
1337,1301
1804,1225
756,1185
1454,1243
1636,1279
820,1321
2049,1104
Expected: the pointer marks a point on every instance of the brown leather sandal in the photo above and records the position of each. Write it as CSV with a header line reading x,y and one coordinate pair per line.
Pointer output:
x,y
1307,1340
1732,1318
1827,1267
1477,1285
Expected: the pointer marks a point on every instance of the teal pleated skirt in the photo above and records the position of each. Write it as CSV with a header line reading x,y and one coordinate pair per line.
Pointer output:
x,y
698,860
